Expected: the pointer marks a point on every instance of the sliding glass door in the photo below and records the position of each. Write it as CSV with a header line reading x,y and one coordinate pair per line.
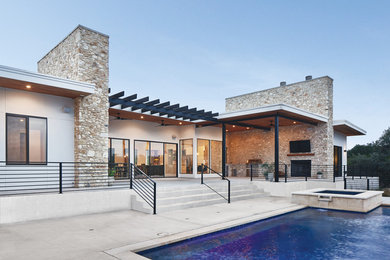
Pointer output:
x,y
156,159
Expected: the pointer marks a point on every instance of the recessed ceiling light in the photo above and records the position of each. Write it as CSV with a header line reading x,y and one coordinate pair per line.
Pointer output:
x,y
234,126
247,128
142,117
28,86
180,123
294,122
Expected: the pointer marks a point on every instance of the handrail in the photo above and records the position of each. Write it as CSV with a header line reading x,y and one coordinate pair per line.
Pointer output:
x,y
144,186
204,167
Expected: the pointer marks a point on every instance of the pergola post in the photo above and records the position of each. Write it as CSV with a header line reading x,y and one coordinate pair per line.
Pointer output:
x,y
223,150
277,148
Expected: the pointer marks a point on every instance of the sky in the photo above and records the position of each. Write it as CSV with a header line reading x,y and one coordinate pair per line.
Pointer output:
x,y
198,53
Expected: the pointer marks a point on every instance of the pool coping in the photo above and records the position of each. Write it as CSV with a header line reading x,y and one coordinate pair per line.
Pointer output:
x,y
130,251
363,194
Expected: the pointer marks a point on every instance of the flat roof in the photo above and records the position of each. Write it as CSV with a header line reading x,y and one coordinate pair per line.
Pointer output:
x,y
347,128
41,83
271,110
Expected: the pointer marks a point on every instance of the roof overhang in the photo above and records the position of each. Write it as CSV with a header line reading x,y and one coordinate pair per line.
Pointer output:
x,y
41,83
347,128
263,117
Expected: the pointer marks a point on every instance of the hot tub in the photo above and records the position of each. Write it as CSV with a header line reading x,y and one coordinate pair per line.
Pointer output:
x,y
350,200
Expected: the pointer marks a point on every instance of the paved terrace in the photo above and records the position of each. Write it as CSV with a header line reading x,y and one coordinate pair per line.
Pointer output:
x,y
112,235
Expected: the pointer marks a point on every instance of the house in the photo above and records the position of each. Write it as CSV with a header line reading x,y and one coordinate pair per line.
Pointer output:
x,y
66,113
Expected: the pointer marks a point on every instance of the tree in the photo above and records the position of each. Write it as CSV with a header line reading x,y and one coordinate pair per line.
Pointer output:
x,y
375,152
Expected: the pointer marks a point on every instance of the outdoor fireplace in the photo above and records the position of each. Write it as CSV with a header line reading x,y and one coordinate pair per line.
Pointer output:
x,y
300,168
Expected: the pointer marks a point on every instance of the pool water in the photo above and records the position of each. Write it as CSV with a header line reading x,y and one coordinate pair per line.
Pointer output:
x,y
340,192
305,234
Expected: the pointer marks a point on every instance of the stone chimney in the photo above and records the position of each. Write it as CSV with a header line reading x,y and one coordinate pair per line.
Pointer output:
x,y
83,56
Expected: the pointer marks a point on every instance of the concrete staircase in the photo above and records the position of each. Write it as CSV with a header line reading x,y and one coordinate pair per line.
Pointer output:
x,y
184,196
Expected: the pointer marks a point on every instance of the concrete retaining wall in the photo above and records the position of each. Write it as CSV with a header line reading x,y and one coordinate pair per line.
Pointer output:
x,y
43,206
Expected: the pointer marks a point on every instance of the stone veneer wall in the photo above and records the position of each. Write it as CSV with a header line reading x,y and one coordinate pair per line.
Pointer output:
x,y
314,96
83,56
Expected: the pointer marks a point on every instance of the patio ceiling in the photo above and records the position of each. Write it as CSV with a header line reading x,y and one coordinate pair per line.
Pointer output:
x,y
40,83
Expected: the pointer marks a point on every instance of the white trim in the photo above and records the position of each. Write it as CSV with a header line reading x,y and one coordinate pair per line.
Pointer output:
x,y
43,79
274,108
350,125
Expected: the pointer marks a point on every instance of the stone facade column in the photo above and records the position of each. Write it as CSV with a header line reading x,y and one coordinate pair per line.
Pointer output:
x,y
83,56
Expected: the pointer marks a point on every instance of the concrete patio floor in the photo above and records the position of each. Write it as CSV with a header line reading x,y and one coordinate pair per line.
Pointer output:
x,y
111,235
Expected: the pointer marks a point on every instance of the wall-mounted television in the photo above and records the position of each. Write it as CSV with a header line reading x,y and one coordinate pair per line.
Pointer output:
x,y
302,146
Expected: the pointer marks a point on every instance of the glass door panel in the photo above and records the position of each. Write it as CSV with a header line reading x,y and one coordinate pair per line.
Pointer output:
x,y
170,160
203,154
216,156
141,155
156,160
337,160
186,163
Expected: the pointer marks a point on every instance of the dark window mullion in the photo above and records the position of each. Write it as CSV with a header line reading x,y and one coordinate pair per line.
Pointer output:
x,y
27,140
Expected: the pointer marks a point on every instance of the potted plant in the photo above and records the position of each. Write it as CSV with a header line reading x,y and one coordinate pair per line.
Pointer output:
x,y
111,176
268,171
319,175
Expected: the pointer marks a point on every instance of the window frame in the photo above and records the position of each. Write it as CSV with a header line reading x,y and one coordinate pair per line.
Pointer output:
x,y
110,147
27,118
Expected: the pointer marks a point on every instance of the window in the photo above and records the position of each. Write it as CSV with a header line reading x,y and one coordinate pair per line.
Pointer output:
x,y
300,146
26,141
186,147
119,151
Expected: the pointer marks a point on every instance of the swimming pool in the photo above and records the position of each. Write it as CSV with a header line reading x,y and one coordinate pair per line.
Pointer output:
x,y
305,234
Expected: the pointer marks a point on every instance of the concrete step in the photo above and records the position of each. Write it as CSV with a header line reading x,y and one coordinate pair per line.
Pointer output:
x,y
201,189
190,204
204,195
196,195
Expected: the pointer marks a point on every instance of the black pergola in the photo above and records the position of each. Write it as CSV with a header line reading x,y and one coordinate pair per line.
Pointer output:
x,y
202,118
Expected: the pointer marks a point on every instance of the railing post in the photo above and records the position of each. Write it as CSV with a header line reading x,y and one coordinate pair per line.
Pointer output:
x,y
285,173
305,177
368,183
334,176
201,174
251,173
228,191
345,183
131,175
60,177
154,198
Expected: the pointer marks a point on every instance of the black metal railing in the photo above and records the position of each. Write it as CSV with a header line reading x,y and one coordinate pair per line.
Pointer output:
x,y
288,172
374,176
144,186
203,169
75,176
58,177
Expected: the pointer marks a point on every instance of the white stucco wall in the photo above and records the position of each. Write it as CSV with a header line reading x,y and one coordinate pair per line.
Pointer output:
x,y
340,139
60,124
142,130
